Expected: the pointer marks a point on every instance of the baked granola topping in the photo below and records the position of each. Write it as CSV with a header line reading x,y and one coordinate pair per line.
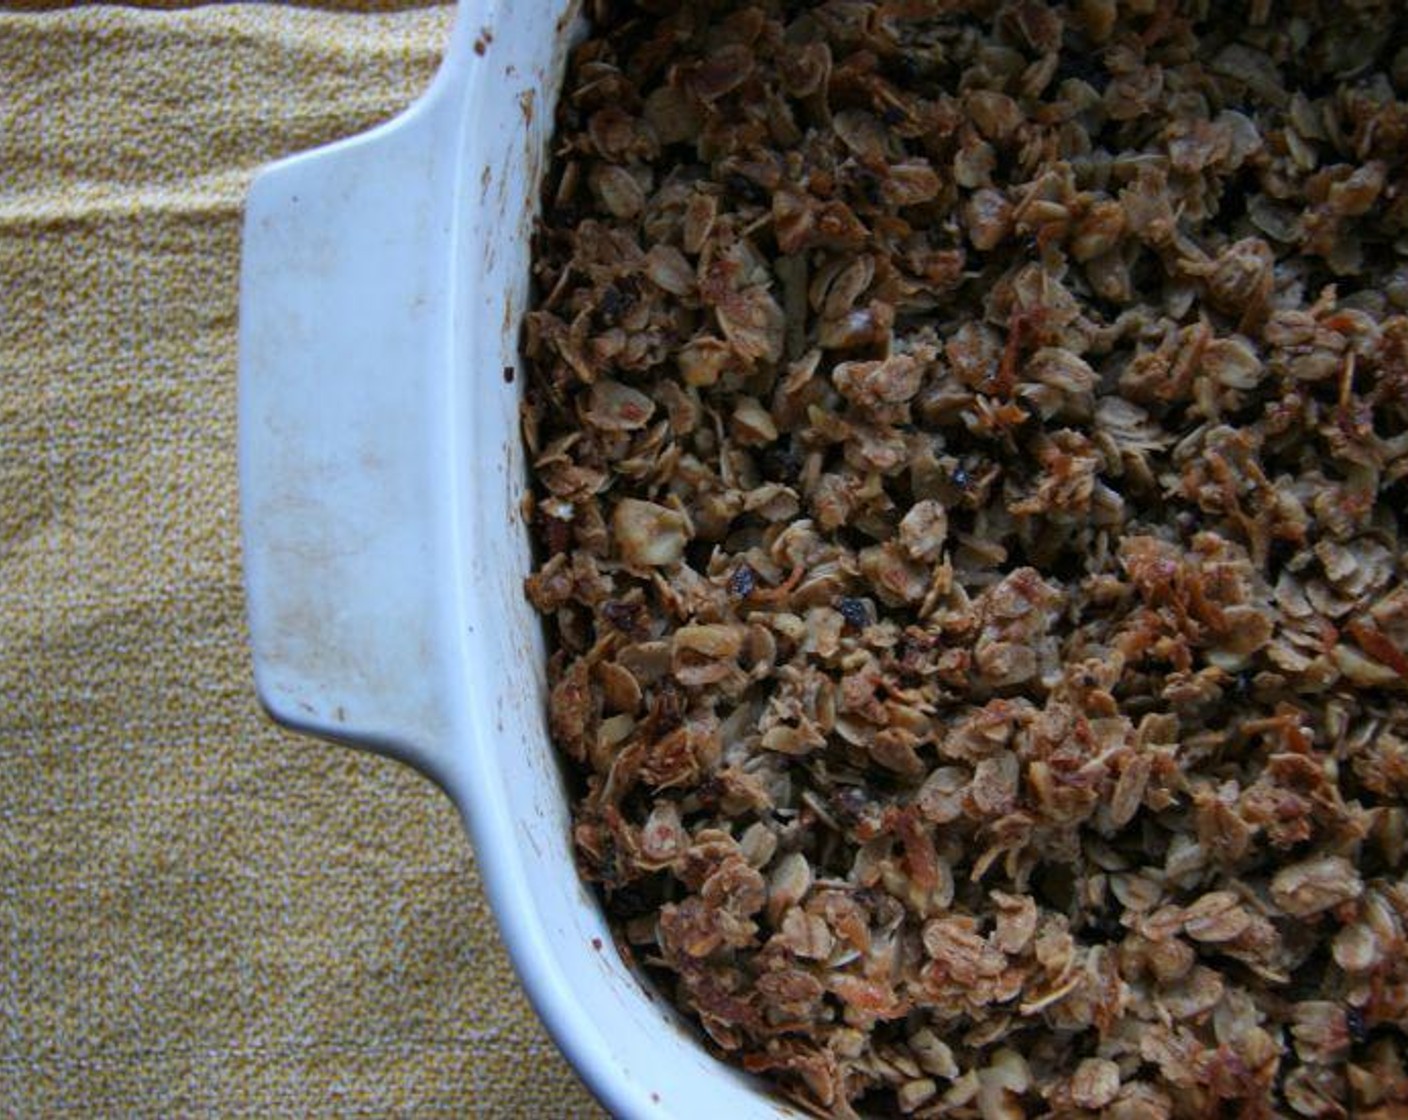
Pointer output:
x,y
969,442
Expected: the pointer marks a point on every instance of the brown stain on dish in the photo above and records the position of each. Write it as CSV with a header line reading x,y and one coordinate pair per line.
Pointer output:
x,y
525,104
481,44
596,944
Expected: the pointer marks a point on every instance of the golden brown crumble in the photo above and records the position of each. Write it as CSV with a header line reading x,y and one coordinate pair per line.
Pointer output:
x,y
969,441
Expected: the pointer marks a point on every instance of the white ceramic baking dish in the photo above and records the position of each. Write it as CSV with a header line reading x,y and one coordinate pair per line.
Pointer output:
x,y
381,477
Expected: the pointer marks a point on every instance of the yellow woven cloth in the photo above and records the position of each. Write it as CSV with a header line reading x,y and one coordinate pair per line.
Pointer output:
x,y
199,914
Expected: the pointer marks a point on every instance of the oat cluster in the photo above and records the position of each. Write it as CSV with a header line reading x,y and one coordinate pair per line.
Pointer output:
x,y
969,442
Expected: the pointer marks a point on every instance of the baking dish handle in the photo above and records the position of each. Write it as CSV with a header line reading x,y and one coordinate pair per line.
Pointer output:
x,y
345,317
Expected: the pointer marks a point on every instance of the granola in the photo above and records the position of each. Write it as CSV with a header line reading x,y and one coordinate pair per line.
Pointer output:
x,y
969,442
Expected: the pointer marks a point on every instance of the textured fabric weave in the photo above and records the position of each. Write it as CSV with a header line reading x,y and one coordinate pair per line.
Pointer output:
x,y
199,914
